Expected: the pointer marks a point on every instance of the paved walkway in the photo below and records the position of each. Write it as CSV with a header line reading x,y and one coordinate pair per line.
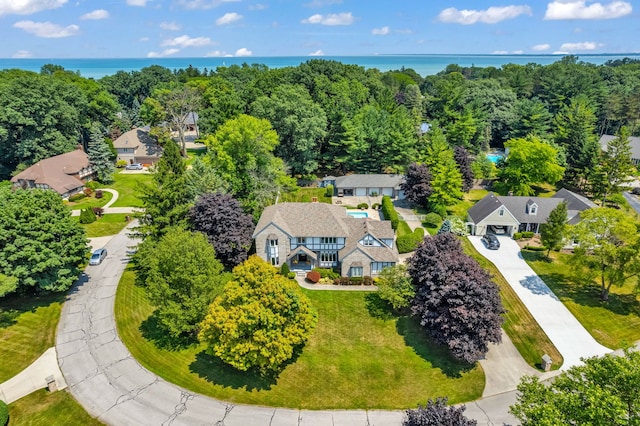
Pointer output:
x,y
571,339
33,377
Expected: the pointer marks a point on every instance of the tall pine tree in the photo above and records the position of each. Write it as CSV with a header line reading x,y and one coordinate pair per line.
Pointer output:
x,y
552,232
100,155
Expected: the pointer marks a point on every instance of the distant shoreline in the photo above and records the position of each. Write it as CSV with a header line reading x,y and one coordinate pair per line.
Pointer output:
x,y
423,64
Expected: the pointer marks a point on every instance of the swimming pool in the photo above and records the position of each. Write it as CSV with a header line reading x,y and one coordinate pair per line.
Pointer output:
x,y
494,158
357,214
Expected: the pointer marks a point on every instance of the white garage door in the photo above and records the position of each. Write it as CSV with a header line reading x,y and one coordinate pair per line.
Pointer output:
x,y
361,192
387,191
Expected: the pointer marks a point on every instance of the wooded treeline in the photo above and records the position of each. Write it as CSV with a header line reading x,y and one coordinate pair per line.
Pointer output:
x,y
328,116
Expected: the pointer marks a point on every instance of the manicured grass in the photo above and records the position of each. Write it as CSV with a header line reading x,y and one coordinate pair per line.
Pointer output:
x,y
27,329
91,201
54,409
524,331
128,187
108,224
192,154
305,195
353,360
467,202
613,323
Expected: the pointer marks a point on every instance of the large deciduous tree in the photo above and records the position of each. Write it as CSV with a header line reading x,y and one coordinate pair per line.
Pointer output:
x,y
530,161
603,391
417,184
228,228
395,286
301,125
182,277
41,246
608,247
259,321
241,151
437,413
553,232
457,303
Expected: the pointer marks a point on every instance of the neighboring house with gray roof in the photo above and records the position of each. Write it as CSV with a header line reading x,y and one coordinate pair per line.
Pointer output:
x,y
137,146
309,235
634,143
508,215
363,185
65,173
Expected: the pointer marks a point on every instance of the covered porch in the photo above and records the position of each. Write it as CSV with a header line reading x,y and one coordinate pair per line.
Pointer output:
x,y
302,259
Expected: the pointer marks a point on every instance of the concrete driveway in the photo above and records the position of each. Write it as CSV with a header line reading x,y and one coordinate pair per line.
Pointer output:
x,y
567,334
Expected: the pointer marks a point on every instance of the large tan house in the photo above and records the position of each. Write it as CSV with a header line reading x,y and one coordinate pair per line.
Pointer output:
x,y
65,173
137,146
309,235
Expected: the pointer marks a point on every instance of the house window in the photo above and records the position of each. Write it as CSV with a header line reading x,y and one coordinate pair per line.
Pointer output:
x,y
328,256
328,240
533,209
274,258
376,267
301,241
356,271
368,241
501,211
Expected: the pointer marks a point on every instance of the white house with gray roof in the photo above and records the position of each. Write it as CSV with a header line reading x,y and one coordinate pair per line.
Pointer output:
x,y
366,185
510,214
309,235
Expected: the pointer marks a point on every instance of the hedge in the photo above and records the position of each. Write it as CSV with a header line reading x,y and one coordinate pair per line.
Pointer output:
x,y
327,273
4,413
535,248
87,216
77,197
363,206
353,281
433,219
520,235
389,212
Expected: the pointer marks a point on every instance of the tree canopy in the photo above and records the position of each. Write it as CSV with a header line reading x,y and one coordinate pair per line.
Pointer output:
x,y
259,321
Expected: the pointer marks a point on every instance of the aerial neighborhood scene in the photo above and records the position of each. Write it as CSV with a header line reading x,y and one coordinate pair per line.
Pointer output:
x,y
319,213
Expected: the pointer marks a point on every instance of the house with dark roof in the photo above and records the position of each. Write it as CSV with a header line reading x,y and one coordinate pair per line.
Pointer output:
x,y
634,143
309,235
65,173
137,146
363,185
510,214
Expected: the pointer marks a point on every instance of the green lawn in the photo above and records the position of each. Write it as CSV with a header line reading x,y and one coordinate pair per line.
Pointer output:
x,y
108,224
355,359
526,334
91,201
305,195
469,199
53,409
192,154
611,323
128,187
27,329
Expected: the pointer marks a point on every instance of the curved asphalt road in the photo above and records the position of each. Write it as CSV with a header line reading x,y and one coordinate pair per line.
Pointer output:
x,y
110,384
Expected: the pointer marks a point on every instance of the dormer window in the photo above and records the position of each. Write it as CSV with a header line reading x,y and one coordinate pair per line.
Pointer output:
x,y
367,241
532,208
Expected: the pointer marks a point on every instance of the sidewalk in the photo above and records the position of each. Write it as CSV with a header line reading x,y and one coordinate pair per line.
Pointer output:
x,y
33,377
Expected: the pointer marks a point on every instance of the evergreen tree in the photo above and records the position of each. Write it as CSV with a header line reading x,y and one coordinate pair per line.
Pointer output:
x,y
445,227
615,167
446,180
552,232
100,155
463,160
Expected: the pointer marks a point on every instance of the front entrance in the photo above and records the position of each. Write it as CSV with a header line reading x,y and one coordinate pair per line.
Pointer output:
x,y
301,261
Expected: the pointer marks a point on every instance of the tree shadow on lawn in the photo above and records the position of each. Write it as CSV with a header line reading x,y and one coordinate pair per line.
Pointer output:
x,y
379,308
214,370
152,330
12,306
436,354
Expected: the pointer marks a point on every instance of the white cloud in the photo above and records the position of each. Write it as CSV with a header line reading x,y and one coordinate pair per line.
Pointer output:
x,y
22,54
492,15
137,3
96,15
47,29
27,7
228,18
258,6
344,18
580,10
381,31
186,41
170,26
166,52
541,47
322,3
585,45
243,51
318,52
203,4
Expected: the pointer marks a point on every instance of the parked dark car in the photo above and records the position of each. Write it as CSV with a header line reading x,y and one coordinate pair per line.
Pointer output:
x,y
134,166
636,191
491,242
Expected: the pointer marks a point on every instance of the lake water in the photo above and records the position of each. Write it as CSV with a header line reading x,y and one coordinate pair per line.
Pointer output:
x,y
422,64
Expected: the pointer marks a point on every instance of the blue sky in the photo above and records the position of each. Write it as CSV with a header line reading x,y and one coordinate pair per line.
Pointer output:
x,y
201,28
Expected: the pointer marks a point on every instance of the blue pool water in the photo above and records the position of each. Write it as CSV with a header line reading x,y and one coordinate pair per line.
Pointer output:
x,y
359,215
494,158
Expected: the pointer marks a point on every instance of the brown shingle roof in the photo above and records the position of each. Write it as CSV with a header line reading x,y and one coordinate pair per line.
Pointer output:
x,y
58,172
137,138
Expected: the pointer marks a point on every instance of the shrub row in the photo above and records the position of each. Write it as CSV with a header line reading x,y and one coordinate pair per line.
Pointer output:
x,y
363,206
77,197
535,248
390,212
353,281
520,235
327,273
